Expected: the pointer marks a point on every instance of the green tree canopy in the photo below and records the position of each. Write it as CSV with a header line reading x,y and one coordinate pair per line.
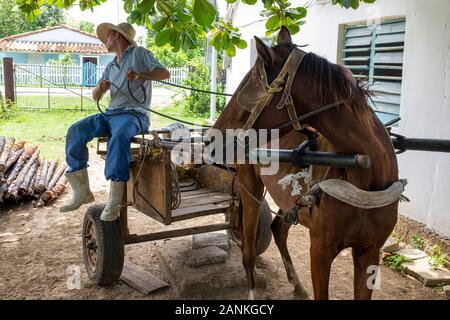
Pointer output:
x,y
181,23
14,21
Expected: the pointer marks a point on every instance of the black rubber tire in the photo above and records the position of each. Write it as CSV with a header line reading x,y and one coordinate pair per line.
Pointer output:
x,y
264,232
109,247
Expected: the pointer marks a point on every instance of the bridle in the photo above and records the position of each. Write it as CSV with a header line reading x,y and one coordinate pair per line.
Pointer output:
x,y
290,69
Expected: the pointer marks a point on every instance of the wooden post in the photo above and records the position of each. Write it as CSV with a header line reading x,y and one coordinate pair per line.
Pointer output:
x,y
40,75
81,89
8,76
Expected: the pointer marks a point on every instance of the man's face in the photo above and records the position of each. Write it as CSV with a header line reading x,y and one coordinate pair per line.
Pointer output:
x,y
111,40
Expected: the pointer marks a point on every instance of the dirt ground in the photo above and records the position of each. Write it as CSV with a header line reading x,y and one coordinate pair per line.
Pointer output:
x,y
39,247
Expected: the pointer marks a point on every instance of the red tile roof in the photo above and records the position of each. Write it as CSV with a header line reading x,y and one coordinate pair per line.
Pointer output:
x,y
13,43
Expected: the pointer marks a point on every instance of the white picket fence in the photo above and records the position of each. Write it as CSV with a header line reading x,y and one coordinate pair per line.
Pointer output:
x,y
53,75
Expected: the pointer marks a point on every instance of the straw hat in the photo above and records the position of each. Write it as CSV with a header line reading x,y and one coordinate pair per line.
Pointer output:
x,y
125,29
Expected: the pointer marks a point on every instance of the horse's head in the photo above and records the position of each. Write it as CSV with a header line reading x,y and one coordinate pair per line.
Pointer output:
x,y
315,83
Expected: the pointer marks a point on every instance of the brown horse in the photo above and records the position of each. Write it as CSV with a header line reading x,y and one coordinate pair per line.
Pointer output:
x,y
350,128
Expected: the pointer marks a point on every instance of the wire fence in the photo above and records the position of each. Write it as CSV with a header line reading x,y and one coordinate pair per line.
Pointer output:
x,y
61,87
39,75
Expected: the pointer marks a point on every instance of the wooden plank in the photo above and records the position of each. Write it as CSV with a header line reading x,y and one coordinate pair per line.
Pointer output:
x,y
154,185
353,67
387,87
394,48
358,41
177,233
358,32
198,191
387,78
187,183
389,108
211,198
387,98
386,67
394,27
356,59
193,196
199,211
367,49
390,38
192,188
140,279
389,57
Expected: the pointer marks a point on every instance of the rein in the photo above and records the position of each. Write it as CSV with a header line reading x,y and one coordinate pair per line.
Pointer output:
x,y
259,74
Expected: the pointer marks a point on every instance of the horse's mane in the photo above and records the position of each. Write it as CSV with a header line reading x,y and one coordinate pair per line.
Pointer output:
x,y
335,82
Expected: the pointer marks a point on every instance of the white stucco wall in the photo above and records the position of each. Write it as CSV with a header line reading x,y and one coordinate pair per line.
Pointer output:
x,y
425,101
60,35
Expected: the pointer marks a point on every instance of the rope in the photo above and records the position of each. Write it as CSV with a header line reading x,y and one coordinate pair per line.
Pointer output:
x,y
194,89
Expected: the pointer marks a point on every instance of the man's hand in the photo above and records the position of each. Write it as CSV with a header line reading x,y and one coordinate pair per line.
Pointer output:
x,y
134,75
100,90
104,85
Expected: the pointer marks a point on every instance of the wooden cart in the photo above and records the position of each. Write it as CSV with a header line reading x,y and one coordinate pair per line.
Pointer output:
x,y
205,191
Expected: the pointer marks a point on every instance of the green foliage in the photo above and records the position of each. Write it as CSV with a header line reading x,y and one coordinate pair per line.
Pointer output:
x,y
66,60
354,4
87,26
282,14
396,261
169,58
198,103
437,259
181,23
417,242
14,21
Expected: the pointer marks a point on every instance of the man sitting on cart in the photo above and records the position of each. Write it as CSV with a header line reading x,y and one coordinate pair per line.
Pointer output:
x,y
128,77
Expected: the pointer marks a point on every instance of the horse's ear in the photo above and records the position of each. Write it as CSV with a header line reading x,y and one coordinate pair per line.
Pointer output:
x,y
284,36
264,52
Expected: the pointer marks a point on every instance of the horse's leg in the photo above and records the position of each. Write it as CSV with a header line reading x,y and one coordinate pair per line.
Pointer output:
x,y
250,183
363,258
322,257
280,231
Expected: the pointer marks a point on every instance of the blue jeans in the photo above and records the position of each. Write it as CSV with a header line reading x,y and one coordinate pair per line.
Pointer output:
x,y
119,128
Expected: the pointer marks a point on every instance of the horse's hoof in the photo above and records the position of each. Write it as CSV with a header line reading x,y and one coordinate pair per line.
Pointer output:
x,y
301,294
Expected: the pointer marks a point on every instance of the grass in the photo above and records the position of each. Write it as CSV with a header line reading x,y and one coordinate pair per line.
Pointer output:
x,y
47,128
56,102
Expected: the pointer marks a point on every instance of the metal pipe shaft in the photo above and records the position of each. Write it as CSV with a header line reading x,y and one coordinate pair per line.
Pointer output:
x,y
433,145
311,158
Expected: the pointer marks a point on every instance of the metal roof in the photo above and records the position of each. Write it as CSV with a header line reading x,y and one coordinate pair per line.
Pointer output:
x,y
59,39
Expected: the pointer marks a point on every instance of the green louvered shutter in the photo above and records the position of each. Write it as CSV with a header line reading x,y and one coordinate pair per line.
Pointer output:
x,y
376,56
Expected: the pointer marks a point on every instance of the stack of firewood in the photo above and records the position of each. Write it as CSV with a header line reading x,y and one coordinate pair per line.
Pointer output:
x,y
25,176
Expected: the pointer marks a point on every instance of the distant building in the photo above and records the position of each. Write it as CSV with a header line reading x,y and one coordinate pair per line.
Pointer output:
x,y
41,46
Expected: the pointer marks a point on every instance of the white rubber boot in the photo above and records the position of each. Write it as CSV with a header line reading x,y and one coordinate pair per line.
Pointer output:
x,y
112,209
81,193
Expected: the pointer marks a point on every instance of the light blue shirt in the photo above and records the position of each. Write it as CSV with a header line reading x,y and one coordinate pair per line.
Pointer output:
x,y
140,60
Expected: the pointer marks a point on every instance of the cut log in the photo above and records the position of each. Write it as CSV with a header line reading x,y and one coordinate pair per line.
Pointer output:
x,y
13,189
58,189
23,188
58,173
29,151
30,189
51,169
13,157
39,185
5,152
2,143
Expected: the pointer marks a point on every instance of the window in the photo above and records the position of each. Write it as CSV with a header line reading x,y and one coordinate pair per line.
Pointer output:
x,y
376,55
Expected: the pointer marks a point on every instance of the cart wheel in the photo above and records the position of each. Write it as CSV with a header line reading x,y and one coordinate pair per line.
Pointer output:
x,y
103,247
263,234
